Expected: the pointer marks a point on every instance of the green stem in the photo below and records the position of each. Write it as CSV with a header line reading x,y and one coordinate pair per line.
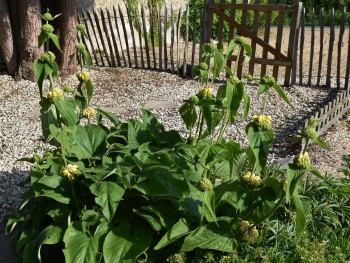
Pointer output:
x,y
198,123
201,127
264,103
277,205
74,197
51,82
81,61
237,61
223,126
306,145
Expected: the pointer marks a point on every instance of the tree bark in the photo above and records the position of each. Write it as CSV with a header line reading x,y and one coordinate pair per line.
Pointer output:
x,y
7,43
68,36
30,23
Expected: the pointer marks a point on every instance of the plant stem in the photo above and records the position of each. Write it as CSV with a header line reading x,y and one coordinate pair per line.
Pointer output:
x,y
223,126
237,61
277,205
306,145
264,103
74,197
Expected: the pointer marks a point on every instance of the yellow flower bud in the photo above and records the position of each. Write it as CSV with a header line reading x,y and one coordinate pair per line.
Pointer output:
x,y
72,168
302,161
83,76
88,112
55,94
249,233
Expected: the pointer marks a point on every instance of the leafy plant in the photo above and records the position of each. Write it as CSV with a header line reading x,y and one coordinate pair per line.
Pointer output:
x,y
133,191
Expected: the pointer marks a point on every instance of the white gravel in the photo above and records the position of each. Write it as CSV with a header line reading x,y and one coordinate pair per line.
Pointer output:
x,y
130,90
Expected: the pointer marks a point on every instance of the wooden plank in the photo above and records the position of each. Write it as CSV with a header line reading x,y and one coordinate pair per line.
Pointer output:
x,y
243,23
346,86
132,36
145,36
201,39
97,42
172,41
139,33
177,42
340,43
296,45
194,42
330,50
320,57
113,37
152,37
231,34
312,45
266,38
294,23
165,38
160,50
186,41
255,31
262,7
220,30
101,38
104,26
247,33
125,36
267,61
119,36
207,21
302,42
279,36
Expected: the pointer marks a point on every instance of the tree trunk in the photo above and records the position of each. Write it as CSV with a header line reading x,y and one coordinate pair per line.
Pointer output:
x,y
30,30
7,43
68,36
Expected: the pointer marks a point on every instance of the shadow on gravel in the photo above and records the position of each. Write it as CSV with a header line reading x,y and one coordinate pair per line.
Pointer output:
x,y
282,147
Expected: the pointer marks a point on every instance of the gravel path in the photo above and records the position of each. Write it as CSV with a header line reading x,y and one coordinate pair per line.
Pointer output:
x,y
126,91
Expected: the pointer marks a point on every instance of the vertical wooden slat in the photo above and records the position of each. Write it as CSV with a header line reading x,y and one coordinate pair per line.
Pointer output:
x,y
160,49
255,31
208,22
319,72
113,37
294,23
165,38
145,35
340,43
94,31
97,20
220,30
186,41
266,38
243,22
132,36
312,45
347,72
302,41
200,35
152,37
330,50
139,32
89,39
172,40
279,37
177,42
125,35
194,40
111,52
119,36
296,45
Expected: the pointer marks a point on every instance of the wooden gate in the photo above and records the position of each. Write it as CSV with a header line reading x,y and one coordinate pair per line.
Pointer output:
x,y
236,14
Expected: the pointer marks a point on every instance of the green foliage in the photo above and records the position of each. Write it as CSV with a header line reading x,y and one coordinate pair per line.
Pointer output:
x,y
133,191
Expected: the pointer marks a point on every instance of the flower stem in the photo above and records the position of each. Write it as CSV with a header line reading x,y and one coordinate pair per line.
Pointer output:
x,y
264,103
74,197
237,61
223,125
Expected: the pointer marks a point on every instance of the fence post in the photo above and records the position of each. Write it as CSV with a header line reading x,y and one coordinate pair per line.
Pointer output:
x,y
208,20
296,44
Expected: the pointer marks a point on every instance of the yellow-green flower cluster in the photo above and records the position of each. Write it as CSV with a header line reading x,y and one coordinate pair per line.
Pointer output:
x,y
205,93
302,161
83,76
55,94
48,57
240,40
88,112
251,179
205,185
70,171
47,28
262,122
309,133
81,27
249,232
80,47
268,80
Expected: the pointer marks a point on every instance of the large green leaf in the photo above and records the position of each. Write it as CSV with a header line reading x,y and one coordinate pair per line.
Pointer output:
x,y
303,210
137,134
188,114
218,63
91,140
149,161
178,230
80,247
124,244
212,236
234,96
47,116
236,156
55,40
109,195
281,94
260,143
66,107
49,236
294,174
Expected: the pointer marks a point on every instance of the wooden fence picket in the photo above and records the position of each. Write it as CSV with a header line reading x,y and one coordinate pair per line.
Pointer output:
x,y
330,50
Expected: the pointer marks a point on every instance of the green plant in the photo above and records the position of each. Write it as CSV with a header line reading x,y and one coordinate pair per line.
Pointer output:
x,y
132,191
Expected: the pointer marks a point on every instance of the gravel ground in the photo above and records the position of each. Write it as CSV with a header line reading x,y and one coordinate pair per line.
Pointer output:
x,y
128,91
